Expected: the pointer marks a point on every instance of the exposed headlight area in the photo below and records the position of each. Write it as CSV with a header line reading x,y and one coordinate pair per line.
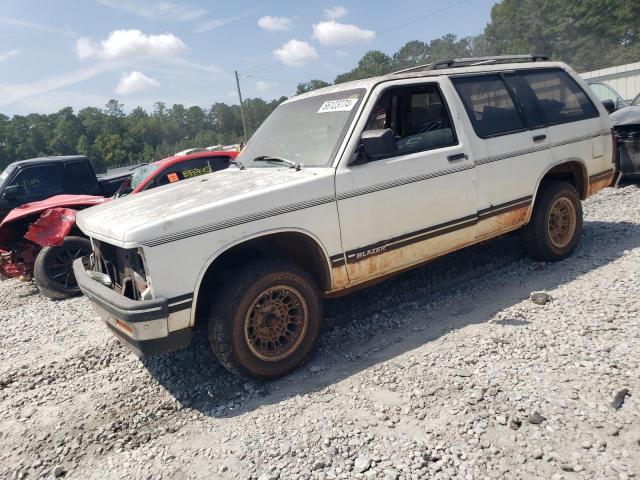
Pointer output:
x,y
121,269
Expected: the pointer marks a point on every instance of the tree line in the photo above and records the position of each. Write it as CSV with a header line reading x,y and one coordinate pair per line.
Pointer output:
x,y
110,137
588,35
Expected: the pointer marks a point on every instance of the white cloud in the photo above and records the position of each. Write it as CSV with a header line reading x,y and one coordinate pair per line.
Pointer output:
x,y
132,82
13,93
262,87
334,34
128,44
220,22
163,10
8,55
275,24
15,22
295,53
335,12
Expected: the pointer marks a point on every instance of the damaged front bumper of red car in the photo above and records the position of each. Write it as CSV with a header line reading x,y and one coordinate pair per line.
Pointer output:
x,y
17,256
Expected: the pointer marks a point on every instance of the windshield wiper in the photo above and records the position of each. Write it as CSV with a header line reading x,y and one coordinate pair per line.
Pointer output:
x,y
268,158
238,164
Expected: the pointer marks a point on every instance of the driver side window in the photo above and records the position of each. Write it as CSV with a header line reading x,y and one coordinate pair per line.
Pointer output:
x,y
37,183
418,117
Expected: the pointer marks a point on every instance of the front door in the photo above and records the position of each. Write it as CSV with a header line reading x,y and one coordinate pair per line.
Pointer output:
x,y
414,204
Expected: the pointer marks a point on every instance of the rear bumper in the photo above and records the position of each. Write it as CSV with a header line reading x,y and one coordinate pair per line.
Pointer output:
x,y
141,325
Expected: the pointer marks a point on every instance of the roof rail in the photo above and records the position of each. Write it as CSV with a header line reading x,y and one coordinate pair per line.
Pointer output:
x,y
469,62
474,61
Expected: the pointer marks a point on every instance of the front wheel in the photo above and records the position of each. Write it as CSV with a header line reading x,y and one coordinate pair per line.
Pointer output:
x,y
53,268
265,320
556,223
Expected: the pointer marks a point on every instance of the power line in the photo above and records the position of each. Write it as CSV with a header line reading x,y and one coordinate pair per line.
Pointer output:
x,y
269,65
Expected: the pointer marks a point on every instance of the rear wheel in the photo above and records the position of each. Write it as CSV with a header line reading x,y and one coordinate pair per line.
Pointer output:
x,y
265,320
53,268
556,223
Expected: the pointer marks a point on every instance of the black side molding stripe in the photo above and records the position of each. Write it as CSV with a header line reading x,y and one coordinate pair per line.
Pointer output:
x,y
179,307
598,176
539,148
505,207
192,232
180,298
402,181
355,255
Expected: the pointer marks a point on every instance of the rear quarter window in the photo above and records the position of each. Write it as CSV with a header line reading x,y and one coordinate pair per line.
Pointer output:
x,y
559,97
489,105
78,178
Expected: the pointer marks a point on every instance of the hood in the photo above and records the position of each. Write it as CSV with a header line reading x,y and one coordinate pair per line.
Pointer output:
x,y
198,201
63,201
626,116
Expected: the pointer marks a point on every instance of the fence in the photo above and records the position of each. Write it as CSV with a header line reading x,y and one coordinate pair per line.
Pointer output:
x,y
624,79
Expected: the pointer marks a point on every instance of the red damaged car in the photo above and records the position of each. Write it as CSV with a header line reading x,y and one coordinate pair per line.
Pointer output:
x,y
42,238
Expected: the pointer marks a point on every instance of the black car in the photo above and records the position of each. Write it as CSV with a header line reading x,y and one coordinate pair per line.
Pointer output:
x,y
33,180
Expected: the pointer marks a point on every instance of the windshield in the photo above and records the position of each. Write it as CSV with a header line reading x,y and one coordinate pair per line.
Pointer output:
x,y
307,131
636,101
141,174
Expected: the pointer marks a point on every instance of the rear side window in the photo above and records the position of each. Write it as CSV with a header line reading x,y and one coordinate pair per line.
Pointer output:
x,y
78,178
489,105
560,98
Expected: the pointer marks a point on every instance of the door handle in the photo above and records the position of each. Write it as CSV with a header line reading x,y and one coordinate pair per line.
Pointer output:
x,y
457,156
539,138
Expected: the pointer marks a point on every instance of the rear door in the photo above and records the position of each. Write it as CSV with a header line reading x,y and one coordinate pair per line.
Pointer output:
x,y
516,147
79,179
575,127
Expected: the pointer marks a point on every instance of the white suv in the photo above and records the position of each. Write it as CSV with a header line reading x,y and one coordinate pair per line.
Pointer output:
x,y
342,187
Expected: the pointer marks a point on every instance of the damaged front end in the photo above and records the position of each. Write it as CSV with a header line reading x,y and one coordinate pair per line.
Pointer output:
x,y
120,269
18,256
626,132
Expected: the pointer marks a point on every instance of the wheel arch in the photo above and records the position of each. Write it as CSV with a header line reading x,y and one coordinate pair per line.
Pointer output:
x,y
571,170
302,247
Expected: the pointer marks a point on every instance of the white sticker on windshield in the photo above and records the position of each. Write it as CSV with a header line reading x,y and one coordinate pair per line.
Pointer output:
x,y
343,105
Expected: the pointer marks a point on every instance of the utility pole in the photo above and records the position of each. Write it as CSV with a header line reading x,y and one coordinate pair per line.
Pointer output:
x,y
244,125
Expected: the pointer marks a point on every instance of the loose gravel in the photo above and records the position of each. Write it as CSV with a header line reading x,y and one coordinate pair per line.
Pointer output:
x,y
483,364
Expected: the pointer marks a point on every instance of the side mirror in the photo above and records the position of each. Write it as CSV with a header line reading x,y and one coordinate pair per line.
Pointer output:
x,y
12,192
609,106
378,143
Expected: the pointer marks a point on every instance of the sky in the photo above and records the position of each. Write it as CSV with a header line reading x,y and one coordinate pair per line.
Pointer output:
x,y
82,53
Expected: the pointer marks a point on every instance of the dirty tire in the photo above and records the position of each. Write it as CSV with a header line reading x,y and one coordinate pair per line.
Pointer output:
x,y
265,321
53,270
556,223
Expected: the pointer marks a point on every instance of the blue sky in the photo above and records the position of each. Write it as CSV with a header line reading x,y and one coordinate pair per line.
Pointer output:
x,y
83,52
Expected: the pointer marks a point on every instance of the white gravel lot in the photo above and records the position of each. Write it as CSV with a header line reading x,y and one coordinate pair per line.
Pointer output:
x,y
449,371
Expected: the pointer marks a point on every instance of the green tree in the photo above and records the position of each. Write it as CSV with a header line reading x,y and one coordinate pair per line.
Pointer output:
x,y
372,64
110,150
310,86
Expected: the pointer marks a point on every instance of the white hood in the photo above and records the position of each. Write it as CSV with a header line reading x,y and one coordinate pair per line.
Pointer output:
x,y
202,200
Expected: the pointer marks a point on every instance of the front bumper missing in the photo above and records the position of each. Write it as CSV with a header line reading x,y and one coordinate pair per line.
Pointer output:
x,y
141,325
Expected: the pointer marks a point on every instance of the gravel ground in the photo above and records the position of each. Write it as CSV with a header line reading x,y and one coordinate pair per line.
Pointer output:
x,y
449,371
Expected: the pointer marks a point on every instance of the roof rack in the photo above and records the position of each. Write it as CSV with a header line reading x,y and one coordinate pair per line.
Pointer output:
x,y
475,61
